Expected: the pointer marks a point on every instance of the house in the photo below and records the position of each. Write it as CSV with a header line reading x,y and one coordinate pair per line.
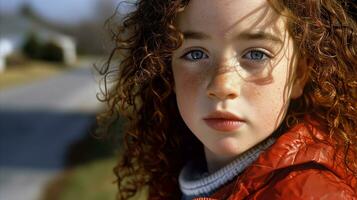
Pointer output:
x,y
14,29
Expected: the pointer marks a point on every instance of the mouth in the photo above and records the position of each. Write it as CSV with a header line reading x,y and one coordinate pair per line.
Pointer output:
x,y
223,121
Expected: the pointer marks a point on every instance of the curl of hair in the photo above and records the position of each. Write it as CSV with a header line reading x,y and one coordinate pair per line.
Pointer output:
x,y
143,95
324,33
157,142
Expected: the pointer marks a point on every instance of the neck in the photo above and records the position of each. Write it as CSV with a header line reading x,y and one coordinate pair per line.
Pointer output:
x,y
215,162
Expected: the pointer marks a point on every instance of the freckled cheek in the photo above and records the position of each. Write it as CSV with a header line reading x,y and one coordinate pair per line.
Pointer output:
x,y
188,84
266,102
185,82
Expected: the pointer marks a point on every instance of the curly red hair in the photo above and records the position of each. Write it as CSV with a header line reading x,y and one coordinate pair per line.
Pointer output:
x,y
156,140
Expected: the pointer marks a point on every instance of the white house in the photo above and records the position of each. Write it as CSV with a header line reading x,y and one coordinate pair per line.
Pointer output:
x,y
68,46
15,28
66,43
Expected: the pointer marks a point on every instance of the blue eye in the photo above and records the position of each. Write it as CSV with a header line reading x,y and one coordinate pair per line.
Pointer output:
x,y
195,55
256,55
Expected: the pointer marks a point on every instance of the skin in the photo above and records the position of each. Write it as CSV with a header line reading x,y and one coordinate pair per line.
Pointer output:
x,y
215,70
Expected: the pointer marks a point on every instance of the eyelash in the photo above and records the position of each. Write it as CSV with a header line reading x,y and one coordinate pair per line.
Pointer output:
x,y
185,56
265,55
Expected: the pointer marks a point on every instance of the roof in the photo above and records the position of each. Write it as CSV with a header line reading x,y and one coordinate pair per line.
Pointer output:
x,y
16,27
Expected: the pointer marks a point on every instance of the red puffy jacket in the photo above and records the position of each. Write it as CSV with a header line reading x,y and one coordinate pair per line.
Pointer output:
x,y
296,166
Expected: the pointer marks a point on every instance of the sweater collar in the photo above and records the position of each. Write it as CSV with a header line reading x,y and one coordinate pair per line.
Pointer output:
x,y
194,180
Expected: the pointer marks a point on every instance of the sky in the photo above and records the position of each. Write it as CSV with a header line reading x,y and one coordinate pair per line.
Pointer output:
x,y
66,11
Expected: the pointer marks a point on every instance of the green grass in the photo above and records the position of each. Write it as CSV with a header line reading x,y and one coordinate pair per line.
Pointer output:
x,y
27,70
32,70
93,181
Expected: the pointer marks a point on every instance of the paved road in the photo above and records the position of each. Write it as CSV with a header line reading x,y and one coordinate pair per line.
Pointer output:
x,y
38,123
73,91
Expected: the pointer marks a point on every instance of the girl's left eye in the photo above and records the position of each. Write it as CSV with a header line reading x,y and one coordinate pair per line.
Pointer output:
x,y
256,55
195,55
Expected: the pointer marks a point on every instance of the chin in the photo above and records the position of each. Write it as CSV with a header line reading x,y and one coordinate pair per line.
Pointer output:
x,y
228,147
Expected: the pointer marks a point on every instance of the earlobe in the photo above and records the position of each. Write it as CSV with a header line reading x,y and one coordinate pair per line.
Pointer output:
x,y
302,76
297,89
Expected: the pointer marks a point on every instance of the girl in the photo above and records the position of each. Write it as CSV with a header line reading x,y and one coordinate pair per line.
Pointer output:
x,y
236,99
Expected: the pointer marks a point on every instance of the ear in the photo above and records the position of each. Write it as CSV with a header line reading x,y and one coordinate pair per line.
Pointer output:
x,y
301,77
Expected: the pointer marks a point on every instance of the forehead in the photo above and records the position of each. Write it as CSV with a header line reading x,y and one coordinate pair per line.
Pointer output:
x,y
225,17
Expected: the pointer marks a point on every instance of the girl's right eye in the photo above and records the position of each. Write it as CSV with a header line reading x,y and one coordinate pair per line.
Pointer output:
x,y
195,55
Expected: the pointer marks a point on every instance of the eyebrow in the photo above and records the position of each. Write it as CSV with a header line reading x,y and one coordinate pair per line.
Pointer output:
x,y
247,35
195,35
259,35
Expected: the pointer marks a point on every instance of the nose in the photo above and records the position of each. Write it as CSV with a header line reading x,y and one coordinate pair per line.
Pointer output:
x,y
223,86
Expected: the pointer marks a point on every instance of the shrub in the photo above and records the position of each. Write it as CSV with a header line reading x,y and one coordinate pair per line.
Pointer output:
x,y
16,59
36,49
52,52
32,47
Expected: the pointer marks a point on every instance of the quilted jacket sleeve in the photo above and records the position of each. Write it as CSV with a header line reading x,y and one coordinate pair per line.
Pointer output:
x,y
306,184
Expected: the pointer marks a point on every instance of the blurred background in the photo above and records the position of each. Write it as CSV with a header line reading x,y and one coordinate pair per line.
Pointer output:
x,y
48,102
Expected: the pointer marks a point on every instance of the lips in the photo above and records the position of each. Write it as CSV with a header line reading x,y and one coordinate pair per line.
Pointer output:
x,y
223,121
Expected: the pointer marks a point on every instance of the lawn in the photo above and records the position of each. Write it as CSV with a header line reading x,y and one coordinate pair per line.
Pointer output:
x,y
27,70
92,181
32,70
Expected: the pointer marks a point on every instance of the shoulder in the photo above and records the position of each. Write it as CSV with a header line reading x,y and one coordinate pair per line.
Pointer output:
x,y
298,166
306,182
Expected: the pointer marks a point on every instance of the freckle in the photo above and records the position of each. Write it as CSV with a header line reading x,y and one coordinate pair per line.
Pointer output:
x,y
202,76
256,93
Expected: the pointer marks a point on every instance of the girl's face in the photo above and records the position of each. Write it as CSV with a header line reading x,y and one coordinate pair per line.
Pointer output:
x,y
233,74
